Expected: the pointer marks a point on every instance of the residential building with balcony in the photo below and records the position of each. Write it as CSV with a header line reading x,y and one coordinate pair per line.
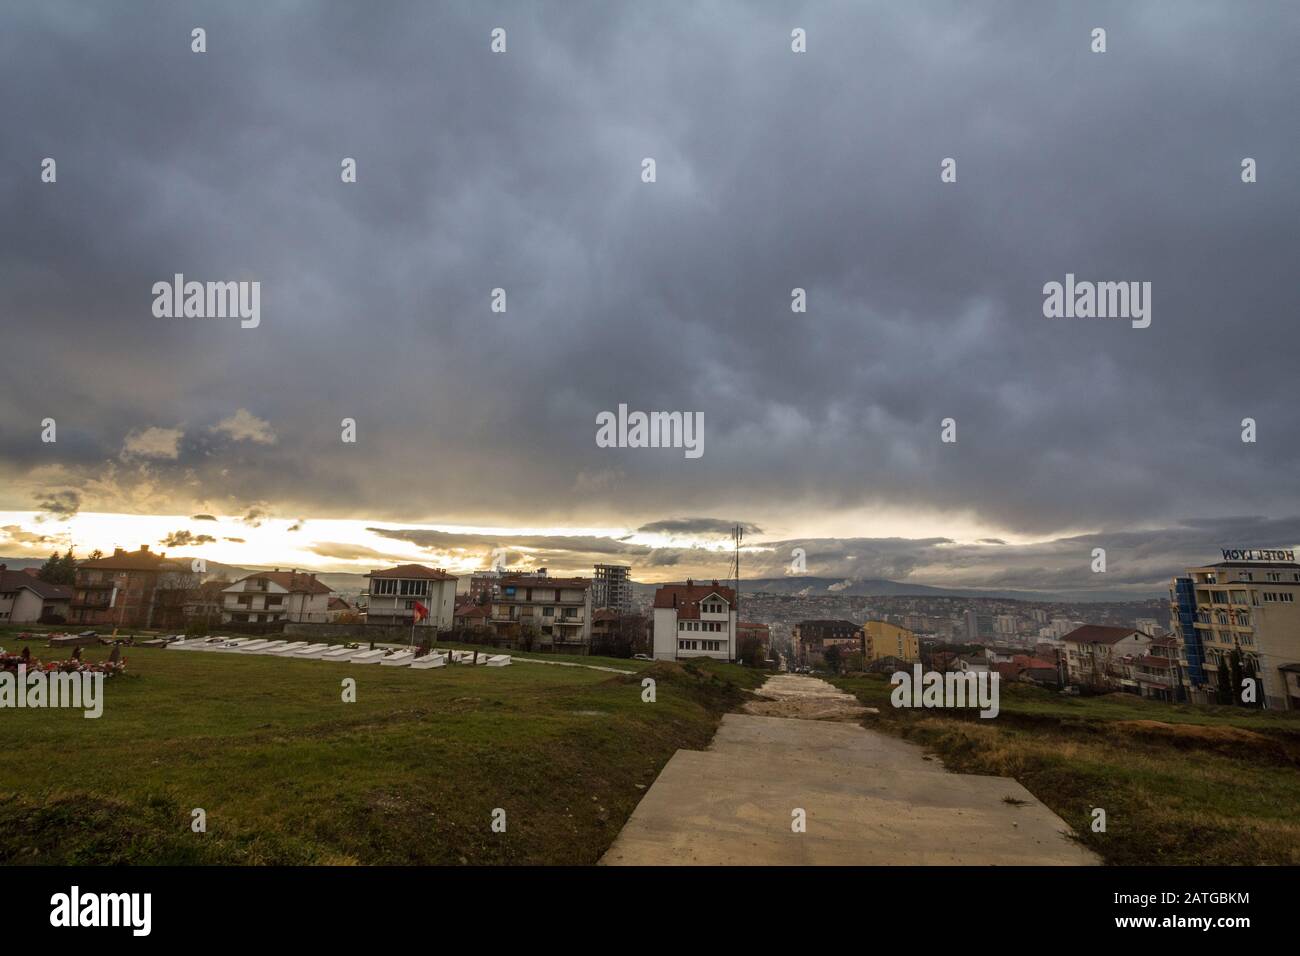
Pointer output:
x,y
1246,606
1158,672
394,592
1095,657
880,639
132,589
272,597
812,637
695,620
556,612
484,586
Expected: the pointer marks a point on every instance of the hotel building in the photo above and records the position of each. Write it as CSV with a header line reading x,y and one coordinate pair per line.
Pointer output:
x,y
1247,603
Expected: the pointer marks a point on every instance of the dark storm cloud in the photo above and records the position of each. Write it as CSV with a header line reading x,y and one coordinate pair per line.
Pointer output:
x,y
59,504
184,537
352,552
775,170
589,545
697,526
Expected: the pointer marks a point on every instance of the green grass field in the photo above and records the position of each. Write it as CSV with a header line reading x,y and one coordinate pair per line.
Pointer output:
x,y
1180,785
287,773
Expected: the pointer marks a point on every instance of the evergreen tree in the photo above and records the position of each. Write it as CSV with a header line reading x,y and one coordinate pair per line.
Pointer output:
x,y
1226,695
59,569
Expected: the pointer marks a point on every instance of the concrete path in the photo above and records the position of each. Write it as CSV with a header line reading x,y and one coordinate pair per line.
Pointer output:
x,y
868,799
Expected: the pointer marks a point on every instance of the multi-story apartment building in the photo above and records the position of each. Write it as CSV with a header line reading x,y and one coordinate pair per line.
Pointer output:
x,y
394,592
556,611
811,638
881,639
270,597
484,586
132,589
695,620
760,634
979,625
1247,604
1096,657
1159,671
611,587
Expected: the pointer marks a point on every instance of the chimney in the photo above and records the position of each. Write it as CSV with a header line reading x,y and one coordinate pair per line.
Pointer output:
x,y
144,548
118,552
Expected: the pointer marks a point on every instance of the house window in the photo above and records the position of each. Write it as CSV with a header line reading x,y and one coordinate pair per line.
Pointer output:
x,y
548,612
414,588
383,585
274,600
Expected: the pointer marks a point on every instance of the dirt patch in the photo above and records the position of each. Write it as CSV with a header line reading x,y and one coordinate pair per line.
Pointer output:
x,y
804,698
1234,740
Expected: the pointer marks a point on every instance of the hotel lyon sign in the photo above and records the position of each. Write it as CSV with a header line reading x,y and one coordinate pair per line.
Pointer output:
x,y
1246,554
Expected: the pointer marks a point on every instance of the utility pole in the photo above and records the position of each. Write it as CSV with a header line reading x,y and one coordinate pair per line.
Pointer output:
x,y
738,536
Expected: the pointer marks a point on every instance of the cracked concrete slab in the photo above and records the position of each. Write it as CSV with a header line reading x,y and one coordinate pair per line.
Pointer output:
x,y
867,798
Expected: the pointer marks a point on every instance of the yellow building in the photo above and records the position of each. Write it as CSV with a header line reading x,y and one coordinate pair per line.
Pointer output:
x,y
881,639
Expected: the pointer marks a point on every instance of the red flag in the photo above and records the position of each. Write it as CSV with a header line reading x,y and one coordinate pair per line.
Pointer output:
x,y
421,612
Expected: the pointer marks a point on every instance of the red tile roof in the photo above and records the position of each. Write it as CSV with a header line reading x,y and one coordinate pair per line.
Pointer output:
x,y
413,572
686,598
295,582
141,560
472,610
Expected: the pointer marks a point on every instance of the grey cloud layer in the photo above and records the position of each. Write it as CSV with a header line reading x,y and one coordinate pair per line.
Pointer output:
x,y
775,171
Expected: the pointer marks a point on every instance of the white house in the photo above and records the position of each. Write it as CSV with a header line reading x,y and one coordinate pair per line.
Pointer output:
x,y
26,599
395,591
271,596
1093,655
695,620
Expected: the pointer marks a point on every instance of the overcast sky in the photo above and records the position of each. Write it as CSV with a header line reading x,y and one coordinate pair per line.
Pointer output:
x,y
775,170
